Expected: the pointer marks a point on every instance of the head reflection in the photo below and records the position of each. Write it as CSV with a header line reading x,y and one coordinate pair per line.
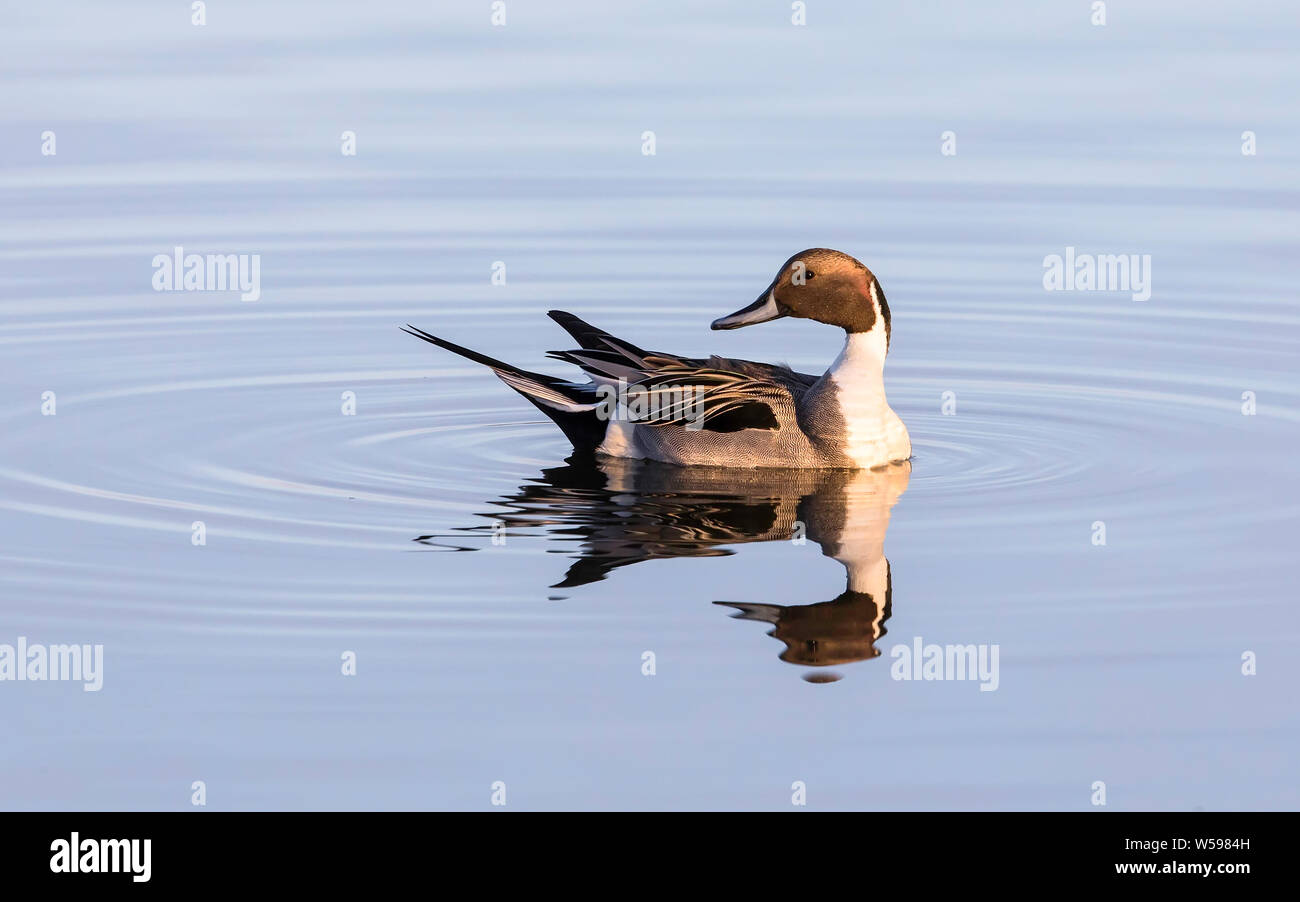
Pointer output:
x,y
621,512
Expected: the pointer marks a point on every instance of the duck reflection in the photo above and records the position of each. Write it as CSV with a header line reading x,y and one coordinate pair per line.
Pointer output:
x,y
621,512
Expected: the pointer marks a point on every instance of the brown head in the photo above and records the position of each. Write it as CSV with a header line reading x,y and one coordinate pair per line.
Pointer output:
x,y
821,284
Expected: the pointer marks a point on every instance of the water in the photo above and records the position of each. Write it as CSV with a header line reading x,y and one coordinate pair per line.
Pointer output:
x,y
522,662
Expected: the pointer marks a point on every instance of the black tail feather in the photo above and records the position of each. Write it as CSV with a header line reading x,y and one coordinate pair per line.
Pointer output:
x,y
584,429
475,355
588,336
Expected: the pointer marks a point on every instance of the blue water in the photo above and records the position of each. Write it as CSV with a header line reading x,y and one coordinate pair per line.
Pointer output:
x,y
327,533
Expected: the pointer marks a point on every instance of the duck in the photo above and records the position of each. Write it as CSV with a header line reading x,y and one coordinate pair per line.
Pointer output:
x,y
723,412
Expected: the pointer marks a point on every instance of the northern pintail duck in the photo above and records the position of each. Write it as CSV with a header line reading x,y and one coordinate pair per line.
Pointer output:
x,y
732,413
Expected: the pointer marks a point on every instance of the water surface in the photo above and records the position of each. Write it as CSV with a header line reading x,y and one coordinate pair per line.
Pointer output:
x,y
500,601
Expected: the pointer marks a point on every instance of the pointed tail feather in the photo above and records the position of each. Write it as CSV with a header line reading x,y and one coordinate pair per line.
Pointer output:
x,y
589,337
466,352
572,407
584,333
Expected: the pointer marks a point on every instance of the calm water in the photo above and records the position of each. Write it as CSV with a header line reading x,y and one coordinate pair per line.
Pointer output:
x,y
498,600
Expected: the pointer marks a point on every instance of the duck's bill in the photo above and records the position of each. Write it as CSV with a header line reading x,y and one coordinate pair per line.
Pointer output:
x,y
763,310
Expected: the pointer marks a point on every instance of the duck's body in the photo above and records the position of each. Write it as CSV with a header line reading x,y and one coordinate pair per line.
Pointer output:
x,y
733,413
840,419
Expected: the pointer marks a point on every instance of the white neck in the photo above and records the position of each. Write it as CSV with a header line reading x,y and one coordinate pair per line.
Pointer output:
x,y
874,433
859,371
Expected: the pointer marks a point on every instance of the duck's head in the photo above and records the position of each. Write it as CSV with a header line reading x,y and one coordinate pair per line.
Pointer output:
x,y
828,286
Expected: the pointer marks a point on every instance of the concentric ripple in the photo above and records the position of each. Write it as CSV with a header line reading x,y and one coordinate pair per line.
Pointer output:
x,y
273,455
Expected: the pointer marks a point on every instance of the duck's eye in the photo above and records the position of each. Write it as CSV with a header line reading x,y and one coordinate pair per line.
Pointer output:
x,y
809,274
